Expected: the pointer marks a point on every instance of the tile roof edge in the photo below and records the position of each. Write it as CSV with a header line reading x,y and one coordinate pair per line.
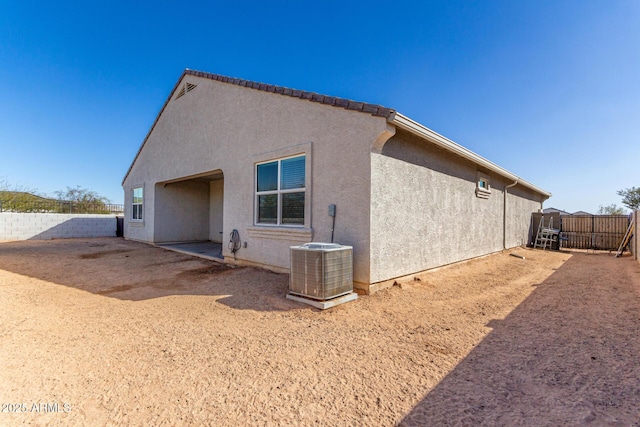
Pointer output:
x,y
347,104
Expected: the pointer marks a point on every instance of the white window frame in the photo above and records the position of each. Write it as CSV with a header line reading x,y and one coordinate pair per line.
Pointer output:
x,y
483,191
133,204
279,192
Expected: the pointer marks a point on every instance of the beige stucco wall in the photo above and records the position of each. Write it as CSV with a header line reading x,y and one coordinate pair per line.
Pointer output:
x,y
216,199
138,230
405,205
181,212
219,126
425,212
521,203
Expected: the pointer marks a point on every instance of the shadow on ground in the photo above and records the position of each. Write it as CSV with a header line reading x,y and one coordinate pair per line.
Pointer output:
x,y
566,356
127,270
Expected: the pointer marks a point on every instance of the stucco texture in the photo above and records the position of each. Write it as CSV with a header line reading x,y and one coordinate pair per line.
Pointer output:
x,y
223,128
402,203
425,212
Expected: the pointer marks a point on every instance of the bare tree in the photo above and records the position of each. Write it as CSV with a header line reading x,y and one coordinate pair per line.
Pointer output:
x,y
81,195
17,198
612,209
80,199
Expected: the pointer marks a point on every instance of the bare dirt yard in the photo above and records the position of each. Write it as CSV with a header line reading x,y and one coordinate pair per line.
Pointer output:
x,y
110,332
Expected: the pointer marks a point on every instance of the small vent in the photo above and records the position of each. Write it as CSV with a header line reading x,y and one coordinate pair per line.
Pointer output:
x,y
187,87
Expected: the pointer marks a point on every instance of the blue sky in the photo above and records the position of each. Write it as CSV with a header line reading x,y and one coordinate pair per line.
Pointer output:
x,y
549,90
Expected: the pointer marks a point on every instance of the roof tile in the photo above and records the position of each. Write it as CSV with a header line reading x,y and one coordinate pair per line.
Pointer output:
x,y
341,102
373,109
384,112
370,108
330,100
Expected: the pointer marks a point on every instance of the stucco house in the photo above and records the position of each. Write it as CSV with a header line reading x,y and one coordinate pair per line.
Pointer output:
x,y
228,154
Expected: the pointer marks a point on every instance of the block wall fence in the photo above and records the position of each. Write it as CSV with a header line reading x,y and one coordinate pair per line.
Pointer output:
x,y
46,226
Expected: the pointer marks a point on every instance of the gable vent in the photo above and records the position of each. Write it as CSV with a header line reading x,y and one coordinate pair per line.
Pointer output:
x,y
187,87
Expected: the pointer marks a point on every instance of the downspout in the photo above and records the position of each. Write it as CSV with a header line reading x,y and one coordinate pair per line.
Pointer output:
x,y
504,215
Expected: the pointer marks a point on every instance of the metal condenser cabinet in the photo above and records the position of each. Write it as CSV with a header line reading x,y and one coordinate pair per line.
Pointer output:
x,y
321,270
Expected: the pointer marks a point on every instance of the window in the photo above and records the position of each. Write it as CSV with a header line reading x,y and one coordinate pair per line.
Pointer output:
x,y
483,188
280,191
136,204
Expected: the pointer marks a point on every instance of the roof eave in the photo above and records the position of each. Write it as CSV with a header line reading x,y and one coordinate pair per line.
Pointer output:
x,y
405,123
144,141
347,104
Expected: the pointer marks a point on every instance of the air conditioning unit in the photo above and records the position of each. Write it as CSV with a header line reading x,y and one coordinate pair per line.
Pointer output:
x,y
321,271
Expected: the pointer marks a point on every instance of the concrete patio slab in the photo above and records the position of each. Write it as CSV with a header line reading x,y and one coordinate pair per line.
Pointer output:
x,y
207,250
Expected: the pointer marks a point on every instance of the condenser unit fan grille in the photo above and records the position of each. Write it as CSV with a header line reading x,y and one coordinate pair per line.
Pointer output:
x,y
321,271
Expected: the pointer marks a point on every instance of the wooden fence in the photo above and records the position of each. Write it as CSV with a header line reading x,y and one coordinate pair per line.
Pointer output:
x,y
603,232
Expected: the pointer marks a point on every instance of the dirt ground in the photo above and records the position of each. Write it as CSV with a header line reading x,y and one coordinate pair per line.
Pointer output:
x,y
110,332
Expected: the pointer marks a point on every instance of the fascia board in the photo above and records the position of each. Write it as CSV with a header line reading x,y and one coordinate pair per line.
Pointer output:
x,y
403,122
